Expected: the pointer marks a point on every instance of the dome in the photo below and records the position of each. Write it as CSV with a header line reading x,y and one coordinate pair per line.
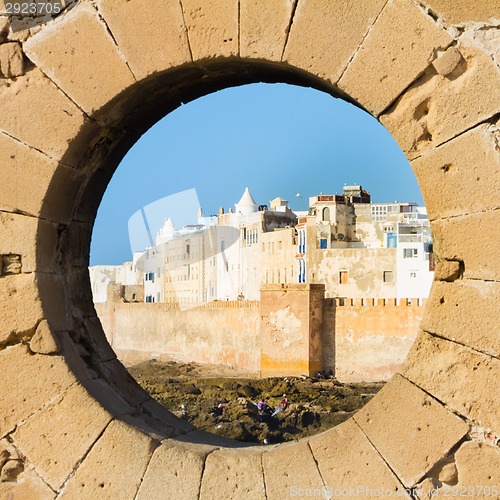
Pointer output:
x,y
247,204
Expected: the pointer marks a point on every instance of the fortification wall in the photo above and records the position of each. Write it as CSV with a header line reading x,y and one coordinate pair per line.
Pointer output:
x,y
368,339
224,333
361,339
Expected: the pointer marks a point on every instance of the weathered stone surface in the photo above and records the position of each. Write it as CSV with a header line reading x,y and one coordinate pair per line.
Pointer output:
x,y
26,173
20,307
11,60
52,291
25,393
436,108
114,467
453,11
447,61
174,468
357,464
35,240
212,27
470,159
31,92
465,311
80,56
317,41
401,44
237,473
289,467
448,270
464,238
478,464
400,414
264,27
43,341
28,486
58,437
151,34
461,378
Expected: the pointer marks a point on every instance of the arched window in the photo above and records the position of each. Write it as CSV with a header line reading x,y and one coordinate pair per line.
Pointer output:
x,y
325,214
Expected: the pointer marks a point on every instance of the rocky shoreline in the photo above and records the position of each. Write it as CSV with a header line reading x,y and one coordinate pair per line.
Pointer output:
x,y
221,403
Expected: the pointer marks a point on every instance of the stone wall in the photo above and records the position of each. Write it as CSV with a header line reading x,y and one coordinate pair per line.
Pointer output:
x,y
293,331
224,333
427,69
368,339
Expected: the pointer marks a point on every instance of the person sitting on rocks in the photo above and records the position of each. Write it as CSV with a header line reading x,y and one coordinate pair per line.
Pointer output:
x,y
262,405
282,405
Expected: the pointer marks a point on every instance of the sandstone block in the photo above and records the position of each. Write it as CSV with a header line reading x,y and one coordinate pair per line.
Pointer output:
x,y
437,108
447,61
456,375
236,472
467,239
212,27
288,467
35,240
471,160
78,54
479,464
27,486
264,28
454,12
152,35
398,48
20,307
55,301
401,415
346,459
25,393
11,60
448,270
59,436
43,341
31,92
324,35
26,177
174,468
114,467
465,311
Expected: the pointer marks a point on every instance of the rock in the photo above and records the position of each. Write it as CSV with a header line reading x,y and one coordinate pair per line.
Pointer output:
x,y
43,341
11,60
11,470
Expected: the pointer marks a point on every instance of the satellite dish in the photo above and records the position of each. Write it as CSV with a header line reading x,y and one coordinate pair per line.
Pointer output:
x,y
340,236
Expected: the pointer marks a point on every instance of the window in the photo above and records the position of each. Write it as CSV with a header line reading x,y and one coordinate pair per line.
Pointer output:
x,y
387,276
326,214
343,277
323,243
409,253
413,274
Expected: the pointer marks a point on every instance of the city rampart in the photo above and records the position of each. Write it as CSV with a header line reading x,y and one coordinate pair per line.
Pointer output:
x,y
368,339
78,91
225,333
292,331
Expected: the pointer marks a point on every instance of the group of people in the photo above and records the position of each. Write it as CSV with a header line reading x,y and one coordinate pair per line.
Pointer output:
x,y
264,409
321,375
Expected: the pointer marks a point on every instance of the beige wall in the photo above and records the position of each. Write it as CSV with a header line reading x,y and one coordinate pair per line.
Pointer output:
x,y
367,340
217,333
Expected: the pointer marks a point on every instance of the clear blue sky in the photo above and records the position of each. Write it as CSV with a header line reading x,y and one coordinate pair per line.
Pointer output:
x,y
276,139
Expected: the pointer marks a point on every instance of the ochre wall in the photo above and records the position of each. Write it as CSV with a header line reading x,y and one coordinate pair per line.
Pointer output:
x,y
77,92
225,333
371,340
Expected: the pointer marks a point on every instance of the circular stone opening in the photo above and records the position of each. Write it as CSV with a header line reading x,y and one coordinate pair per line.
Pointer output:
x,y
434,85
184,315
